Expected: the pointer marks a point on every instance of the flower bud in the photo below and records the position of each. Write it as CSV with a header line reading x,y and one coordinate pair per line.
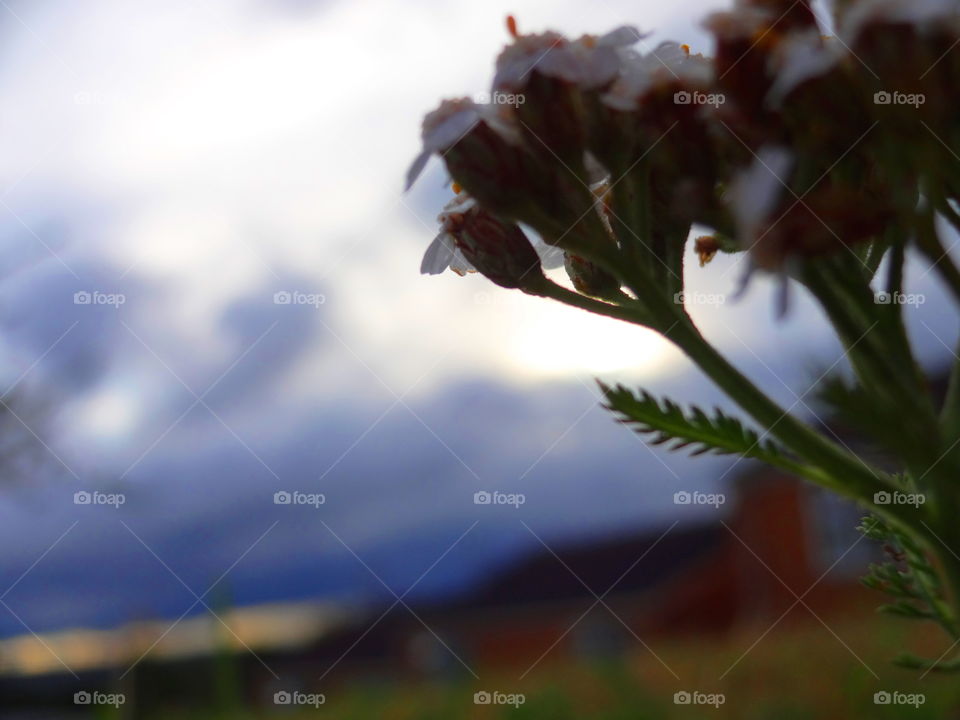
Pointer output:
x,y
500,251
473,240
589,279
706,247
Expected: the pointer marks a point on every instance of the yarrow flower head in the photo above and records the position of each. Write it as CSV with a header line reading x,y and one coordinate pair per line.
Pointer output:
x,y
453,122
552,75
589,62
473,240
800,58
668,65
922,15
756,191
776,225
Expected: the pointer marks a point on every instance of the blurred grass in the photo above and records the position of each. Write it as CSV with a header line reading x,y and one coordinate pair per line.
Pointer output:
x,y
797,672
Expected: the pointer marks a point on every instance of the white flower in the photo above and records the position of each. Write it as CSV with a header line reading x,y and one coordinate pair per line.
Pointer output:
x,y
799,57
446,125
443,253
916,12
667,63
754,192
588,62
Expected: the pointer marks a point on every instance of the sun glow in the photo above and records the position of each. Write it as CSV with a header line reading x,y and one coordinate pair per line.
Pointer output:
x,y
565,342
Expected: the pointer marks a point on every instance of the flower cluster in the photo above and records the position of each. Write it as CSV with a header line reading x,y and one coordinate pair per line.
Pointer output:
x,y
786,141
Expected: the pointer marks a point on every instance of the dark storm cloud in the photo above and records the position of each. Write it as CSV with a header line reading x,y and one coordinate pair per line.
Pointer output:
x,y
41,305
398,494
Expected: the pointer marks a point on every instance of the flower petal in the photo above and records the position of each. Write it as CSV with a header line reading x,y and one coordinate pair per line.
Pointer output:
x,y
416,167
754,192
621,37
438,256
800,57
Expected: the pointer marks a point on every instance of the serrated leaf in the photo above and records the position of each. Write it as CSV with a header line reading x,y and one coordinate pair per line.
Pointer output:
x,y
913,662
906,610
695,430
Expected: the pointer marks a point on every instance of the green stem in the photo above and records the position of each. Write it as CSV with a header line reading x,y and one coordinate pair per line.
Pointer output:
x,y
895,269
848,475
874,336
632,314
931,245
844,473
838,470
950,414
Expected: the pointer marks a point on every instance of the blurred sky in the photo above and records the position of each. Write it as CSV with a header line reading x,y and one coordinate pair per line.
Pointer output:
x,y
198,158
